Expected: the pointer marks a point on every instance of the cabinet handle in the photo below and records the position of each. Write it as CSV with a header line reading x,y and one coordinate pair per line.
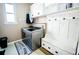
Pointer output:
x,y
56,52
73,17
48,47
64,18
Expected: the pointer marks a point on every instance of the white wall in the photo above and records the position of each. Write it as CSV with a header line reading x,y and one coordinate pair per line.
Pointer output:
x,y
13,31
1,17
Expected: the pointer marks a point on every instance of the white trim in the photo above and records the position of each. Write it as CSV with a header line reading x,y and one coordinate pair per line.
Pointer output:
x,y
15,41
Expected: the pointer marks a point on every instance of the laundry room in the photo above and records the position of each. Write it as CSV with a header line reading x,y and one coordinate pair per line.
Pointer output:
x,y
39,28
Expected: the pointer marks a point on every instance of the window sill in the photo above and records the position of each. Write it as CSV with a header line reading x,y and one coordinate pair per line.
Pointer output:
x,y
10,23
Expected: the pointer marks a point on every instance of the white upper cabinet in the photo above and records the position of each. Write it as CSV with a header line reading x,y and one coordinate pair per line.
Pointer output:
x,y
40,9
75,5
50,8
37,9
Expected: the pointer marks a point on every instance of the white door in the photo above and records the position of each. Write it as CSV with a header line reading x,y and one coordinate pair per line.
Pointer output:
x,y
37,9
73,34
68,35
53,27
33,8
63,29
63,41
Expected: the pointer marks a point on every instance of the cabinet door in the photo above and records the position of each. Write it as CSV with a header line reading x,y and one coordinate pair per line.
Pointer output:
x,y
73,33
51,8
69,34
73,29
40,9
53,27
75,5
33,10
37,9
63,29
63,35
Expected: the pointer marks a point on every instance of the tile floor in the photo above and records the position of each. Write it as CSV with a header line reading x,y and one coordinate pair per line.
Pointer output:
x,y
11,50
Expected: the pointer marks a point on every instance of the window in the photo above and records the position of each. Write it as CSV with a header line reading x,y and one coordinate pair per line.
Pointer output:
x,y
10,13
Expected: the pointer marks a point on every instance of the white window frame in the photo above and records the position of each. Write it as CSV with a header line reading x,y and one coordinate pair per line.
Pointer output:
x,y
5,13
